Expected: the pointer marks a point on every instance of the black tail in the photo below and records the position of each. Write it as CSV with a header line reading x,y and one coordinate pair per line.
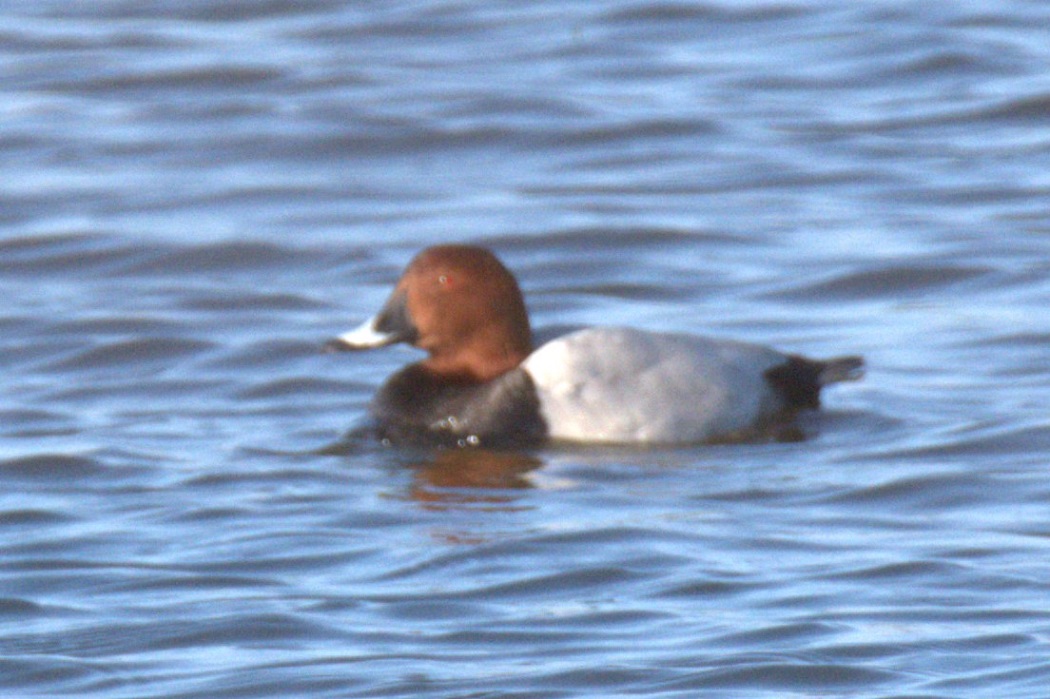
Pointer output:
x,y
799,380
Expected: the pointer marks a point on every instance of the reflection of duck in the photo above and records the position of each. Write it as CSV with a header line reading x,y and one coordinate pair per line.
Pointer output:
x,y
471,476
482,383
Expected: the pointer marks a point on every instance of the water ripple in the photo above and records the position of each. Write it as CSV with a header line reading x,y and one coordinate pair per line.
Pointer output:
x,y
196,194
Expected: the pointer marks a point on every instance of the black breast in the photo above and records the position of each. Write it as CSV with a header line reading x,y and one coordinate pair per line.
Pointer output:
x,y
415,407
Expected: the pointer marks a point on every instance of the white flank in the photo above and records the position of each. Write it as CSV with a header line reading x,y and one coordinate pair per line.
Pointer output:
x,y
624,385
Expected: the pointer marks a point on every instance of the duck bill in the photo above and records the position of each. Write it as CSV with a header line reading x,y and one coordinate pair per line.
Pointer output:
x,y
392,324
364,336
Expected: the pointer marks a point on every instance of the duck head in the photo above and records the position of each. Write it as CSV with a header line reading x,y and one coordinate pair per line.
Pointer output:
x,y
460,305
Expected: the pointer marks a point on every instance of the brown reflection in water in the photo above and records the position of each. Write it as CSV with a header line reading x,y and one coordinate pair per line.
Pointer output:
x,y
471,476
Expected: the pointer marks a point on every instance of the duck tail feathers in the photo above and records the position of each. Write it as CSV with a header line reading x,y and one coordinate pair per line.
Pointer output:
x,y
840,369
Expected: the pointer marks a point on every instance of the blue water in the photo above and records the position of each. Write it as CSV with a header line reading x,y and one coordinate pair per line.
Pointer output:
x,y
194,196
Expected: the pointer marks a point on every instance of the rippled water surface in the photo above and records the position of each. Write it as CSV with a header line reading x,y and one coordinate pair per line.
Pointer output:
x,y
195,195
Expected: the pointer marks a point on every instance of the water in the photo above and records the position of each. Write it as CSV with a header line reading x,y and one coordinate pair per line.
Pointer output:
x,y
195,195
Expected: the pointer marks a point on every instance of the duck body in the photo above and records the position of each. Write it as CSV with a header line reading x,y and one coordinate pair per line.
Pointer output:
x,y
483,384
629,385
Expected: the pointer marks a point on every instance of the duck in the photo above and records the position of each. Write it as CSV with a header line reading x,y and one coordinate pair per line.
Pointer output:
x,y
483,383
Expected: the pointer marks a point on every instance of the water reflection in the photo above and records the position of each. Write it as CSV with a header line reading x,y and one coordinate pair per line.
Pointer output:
x,y
444,476
471,477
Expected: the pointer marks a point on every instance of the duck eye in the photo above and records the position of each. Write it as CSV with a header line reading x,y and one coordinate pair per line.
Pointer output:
x,y
444,280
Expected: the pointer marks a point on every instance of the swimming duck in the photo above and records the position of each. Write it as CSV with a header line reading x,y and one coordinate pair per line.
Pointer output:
x,y
483,383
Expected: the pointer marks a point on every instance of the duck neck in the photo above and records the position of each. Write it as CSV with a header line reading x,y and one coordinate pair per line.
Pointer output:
x,y
479,361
